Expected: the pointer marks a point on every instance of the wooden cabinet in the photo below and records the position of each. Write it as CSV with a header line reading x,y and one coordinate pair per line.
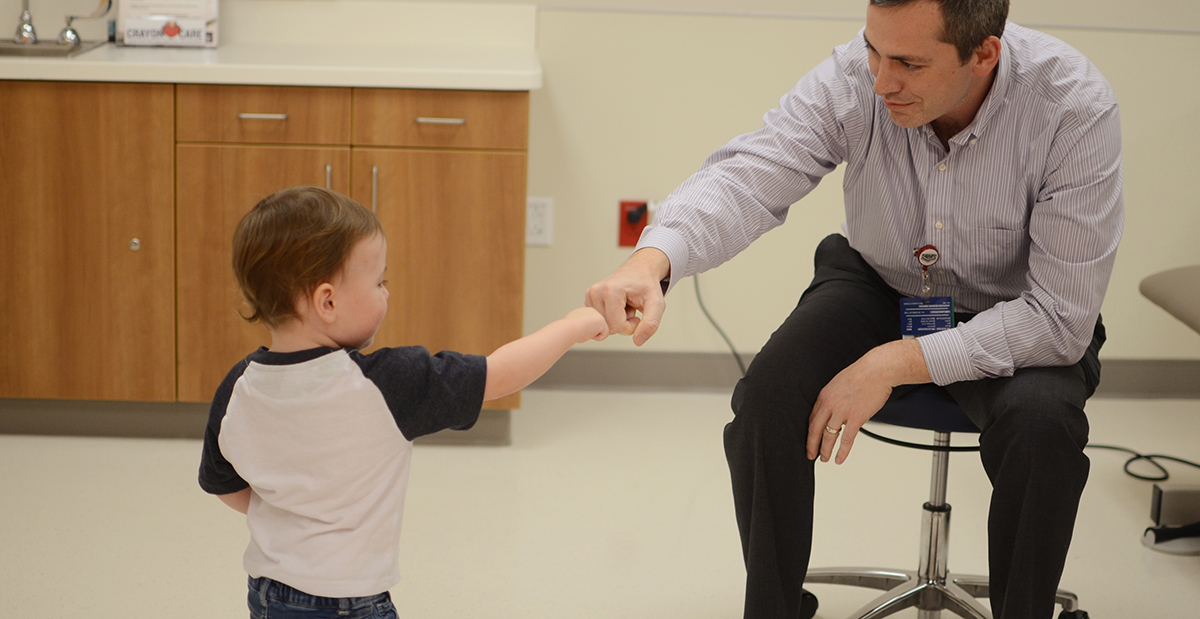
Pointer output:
x,y
87,240
118,203
455,246
262,114
237,145
445,171
216,185
441,118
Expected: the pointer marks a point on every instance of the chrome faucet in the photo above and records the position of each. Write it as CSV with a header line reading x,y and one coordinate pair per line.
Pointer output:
x,y
69,36
25,32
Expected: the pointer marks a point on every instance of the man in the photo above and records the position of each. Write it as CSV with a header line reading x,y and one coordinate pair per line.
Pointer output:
x,y
994,146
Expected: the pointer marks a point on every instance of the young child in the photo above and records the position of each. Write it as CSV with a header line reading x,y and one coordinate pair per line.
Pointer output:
x,y
311,438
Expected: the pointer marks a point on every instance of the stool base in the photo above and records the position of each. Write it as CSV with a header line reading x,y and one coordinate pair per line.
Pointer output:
x,y
905,589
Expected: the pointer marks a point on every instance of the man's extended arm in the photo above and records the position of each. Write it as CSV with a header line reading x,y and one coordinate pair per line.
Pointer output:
x,y
742,191
747,186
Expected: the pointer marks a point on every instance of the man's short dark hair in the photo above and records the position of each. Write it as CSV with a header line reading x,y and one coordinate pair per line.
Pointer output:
x,y
966,24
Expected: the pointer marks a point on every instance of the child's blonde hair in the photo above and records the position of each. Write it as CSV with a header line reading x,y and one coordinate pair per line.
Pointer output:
x,y
291,242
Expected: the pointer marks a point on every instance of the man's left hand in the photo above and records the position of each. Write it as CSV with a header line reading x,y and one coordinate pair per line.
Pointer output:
x,y
858,392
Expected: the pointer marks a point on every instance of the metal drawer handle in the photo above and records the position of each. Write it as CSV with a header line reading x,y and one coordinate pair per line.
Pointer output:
x,y
427,120
329,176
375,189
249,116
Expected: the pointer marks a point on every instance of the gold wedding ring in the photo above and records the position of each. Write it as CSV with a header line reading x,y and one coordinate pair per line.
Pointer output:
x,y
832,431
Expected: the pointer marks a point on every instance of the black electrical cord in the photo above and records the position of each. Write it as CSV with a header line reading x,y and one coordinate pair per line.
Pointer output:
x,y
1151,458
736,356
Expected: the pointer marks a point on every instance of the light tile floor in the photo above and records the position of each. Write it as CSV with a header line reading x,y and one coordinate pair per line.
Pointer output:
x,y
608,504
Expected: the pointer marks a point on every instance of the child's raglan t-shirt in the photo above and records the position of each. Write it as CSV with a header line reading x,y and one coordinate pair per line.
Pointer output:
x,y
324,437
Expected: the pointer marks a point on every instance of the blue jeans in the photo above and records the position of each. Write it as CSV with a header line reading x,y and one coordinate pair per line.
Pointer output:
x,y
270,599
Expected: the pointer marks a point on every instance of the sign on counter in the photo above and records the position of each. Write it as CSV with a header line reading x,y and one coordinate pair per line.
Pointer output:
x,y
168,23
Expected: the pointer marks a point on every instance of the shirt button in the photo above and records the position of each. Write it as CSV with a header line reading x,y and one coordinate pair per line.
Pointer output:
x,y
974,140
938,225
942,167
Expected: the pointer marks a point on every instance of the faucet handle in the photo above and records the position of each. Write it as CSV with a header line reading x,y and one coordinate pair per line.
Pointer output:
x,y
68,35
25,32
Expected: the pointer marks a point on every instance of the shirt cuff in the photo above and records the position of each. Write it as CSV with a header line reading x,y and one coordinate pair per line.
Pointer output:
x,y
670,243
946,357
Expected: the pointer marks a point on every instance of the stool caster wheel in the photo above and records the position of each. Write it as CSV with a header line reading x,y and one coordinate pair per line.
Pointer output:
x,y
808,604
1073,614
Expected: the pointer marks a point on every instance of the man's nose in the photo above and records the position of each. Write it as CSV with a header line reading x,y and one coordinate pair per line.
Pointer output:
x,y
885,80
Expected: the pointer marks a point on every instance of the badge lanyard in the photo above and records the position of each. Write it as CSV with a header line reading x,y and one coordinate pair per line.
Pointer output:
x,y
926,314
927,256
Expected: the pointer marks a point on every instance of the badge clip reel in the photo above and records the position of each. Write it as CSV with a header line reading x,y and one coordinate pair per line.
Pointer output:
x,y
927,313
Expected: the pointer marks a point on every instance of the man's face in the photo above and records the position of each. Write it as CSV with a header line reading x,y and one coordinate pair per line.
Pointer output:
x,y
919,77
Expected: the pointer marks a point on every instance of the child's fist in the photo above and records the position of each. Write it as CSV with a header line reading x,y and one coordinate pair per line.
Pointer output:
x,y
590,322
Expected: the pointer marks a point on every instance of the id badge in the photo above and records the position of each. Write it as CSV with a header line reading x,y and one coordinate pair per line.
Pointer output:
x,y
925,316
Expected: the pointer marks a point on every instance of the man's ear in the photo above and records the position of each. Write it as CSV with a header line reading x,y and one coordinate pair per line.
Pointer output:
x,y
986,56
323,304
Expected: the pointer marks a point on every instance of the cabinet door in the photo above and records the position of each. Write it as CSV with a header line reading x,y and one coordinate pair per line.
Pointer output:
x,y
87,240
455,222
216,186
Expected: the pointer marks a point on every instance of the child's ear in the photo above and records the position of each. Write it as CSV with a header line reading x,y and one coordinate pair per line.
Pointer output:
x,y
323,303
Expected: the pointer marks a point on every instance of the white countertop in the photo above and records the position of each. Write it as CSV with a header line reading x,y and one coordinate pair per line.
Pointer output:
x,y
445,45
471,68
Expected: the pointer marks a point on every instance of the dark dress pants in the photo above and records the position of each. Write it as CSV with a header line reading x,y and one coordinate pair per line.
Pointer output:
x,y
1033,434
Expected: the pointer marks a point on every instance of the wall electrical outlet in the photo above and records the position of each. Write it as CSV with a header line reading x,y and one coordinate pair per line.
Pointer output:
x,y
632,219
539,221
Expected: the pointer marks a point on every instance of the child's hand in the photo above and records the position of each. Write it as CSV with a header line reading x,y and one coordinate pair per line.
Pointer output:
x,y
590,322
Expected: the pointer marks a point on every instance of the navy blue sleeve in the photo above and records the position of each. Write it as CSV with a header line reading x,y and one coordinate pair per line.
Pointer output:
x,y
217,475
427,393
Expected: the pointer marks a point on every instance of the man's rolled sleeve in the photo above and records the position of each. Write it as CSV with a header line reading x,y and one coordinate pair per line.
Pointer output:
x,y
947,358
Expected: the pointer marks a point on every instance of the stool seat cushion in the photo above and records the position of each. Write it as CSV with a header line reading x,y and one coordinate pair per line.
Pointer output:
x,y
1178,292
926,407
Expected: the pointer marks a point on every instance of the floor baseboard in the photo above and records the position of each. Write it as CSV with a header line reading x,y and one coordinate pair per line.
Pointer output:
x,y
182,420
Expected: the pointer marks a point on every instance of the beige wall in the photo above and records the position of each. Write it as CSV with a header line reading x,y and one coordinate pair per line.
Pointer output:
x,y
634,101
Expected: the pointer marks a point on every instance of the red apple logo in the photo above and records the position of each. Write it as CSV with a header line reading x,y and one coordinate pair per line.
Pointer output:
x,y
171,29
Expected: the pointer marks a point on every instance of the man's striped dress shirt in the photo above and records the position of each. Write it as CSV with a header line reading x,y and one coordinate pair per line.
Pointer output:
x,y
1025,208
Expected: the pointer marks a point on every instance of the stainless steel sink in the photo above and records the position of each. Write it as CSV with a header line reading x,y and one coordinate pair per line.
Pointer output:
x,y
48,49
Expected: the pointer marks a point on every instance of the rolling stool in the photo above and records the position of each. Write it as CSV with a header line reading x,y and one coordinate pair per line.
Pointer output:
x,y
931,588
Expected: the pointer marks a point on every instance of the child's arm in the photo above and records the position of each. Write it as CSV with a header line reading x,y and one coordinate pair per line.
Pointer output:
x,y
239,500
518,363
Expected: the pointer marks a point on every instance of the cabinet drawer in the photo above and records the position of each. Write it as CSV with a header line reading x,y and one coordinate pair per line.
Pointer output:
x,y
262,114
441,118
